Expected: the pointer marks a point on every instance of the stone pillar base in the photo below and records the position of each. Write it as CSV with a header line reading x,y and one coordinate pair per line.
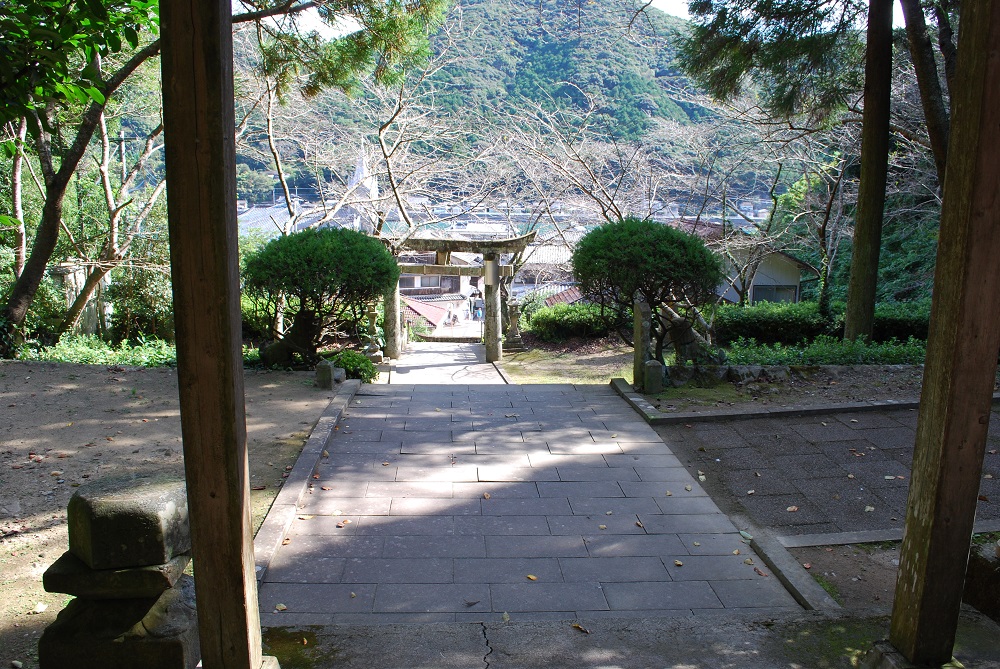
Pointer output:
x,y
156,633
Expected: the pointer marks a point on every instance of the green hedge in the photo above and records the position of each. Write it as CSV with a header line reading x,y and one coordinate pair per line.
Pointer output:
x,y
563,321
789,324
769,323
826,350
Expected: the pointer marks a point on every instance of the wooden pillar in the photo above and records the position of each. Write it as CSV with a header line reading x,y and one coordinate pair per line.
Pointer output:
x,y
961,357
200,157
492,328
392,328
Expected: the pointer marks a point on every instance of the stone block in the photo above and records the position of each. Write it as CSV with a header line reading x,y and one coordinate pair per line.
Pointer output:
x,y
777,373
652,380
982,580
118,523
679,374
740,374
151,633
339,374
71,576
324,374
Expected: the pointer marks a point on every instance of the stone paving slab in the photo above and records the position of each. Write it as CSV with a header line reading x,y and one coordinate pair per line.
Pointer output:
x,y
415,516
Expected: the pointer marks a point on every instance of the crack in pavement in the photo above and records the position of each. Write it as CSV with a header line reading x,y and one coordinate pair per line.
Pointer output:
x,y
490,651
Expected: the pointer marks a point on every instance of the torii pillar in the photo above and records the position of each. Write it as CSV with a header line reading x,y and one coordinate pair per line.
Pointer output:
x,y
961,357
392,328
492,328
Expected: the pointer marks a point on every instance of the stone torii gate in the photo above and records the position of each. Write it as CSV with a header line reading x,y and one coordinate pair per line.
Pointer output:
x,y
492,271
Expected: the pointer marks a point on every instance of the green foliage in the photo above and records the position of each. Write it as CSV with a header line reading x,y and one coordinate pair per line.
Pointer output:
x,y
325,269
788,324
142,305
356,365
324,274
252,186
617,260
49,49
806,56
564,321
770,323
901,320
90,350
826,350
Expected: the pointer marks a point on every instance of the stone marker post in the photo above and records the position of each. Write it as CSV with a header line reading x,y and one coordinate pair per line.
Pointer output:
x,y
393,338
128,546
642,317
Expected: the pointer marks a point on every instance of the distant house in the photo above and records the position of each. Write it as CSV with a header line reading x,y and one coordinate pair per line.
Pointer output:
x,y
778,277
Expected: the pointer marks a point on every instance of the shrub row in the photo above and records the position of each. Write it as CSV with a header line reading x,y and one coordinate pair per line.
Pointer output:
x,y
788,324
563,321
826,350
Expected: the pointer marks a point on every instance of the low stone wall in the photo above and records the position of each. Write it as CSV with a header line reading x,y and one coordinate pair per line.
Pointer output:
x,y
982,580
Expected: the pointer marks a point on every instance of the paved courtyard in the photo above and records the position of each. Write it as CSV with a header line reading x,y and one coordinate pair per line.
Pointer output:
x,y
453,502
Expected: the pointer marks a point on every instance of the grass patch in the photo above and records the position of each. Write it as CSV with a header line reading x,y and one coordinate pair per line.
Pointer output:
x,y
830,588
723,393
591,367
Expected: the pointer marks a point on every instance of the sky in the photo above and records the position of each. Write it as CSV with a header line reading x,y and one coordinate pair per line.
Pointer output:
x,y
675,7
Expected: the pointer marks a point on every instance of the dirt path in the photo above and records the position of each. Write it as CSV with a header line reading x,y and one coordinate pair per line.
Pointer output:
x,y
62,425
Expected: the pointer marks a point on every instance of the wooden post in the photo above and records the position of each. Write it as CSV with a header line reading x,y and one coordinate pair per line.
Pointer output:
x,y
200,158
961,357
393,339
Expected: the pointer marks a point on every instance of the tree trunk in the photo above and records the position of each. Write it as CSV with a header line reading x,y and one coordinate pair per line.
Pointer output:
x,y
300,338
20,235
931,96
867,243
90,287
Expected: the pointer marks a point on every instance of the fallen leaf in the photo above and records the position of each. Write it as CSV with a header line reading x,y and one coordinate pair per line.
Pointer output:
x,y
286,541
670,494
757,569
609,513
701,477
56,473
792,509
992,451
736,552
326,454
869,509
613,436
638,523
471,603
39,608
983,498
988,476
748,561
511,415
486,495
751,492
889,478
353,595
580,628
325,487
746,535
280,607
678,563
306,517
385,464
532,577
854,420
807,565
696,543
602,527
822,423
305,642
505,617
258,487
689,487
315,476
850,476
436,409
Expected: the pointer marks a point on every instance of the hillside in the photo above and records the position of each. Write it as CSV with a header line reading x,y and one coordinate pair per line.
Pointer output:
x,y
557,52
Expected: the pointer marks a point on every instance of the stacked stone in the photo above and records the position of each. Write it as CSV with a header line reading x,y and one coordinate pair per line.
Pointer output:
x,y
129,544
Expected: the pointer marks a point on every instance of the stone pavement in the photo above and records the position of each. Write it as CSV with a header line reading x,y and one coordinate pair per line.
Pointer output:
x,y
438,362
842,473
465,503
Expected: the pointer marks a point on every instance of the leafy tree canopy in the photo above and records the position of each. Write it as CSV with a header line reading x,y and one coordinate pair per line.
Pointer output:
x,y
50,50
805,54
